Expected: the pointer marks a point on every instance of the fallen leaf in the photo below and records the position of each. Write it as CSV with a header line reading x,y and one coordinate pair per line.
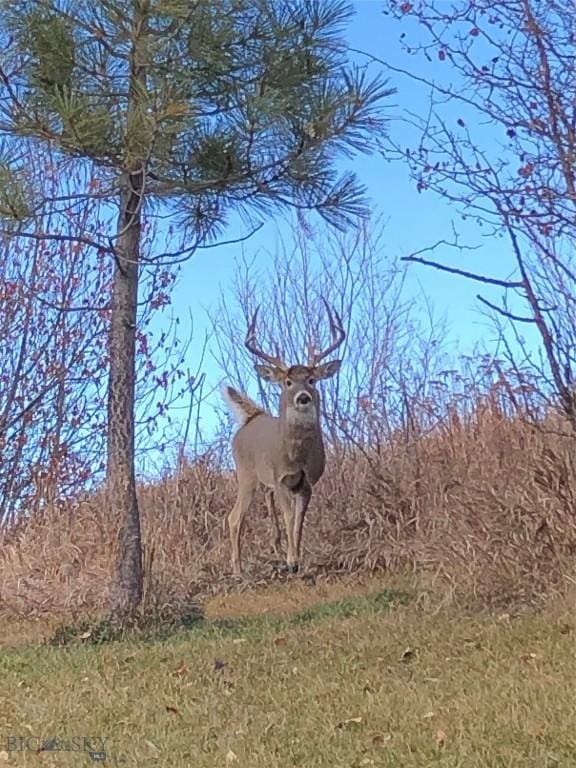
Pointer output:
x,y
85,635
182,670
407,655
381,738
440,738
231,757
349,721
538,731
279,641
294,670
428,716
172,710
152,746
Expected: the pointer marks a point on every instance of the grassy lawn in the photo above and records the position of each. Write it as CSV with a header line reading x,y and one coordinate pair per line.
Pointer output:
x,y
338,677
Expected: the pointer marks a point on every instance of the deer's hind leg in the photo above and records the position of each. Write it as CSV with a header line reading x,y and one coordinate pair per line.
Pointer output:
x,y
236,518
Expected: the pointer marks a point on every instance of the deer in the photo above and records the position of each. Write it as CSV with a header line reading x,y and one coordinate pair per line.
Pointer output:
x,y
284,454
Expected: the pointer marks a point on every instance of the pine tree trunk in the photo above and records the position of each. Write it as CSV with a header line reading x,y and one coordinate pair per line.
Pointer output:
x,y
126,589
127,586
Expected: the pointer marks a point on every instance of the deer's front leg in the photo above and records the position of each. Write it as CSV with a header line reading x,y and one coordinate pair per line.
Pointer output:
x,y
276,539
301,502
286,500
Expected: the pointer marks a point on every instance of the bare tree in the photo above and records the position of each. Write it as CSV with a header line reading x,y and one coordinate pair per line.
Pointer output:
x,y
392,351
506,159
54,318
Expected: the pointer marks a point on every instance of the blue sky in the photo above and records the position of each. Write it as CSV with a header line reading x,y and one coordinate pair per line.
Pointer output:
x,y
413,220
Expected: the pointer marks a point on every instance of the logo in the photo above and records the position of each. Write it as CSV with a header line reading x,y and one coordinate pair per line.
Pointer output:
x,y
93,746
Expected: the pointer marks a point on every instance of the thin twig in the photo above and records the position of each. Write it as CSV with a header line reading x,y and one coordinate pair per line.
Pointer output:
x,y
504,312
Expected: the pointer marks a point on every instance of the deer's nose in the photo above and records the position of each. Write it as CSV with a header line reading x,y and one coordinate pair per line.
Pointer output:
x,y
303,398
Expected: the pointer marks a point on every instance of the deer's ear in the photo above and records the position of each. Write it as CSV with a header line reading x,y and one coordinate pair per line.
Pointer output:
x,y
327,370
269,373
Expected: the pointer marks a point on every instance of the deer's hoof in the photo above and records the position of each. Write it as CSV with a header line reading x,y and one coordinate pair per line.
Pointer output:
x,y
292,568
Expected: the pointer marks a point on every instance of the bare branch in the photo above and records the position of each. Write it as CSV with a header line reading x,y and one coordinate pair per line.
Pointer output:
x,y
504,312
61,238
465,273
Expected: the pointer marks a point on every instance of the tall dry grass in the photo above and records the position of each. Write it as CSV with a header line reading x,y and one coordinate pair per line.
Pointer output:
x,y
484,502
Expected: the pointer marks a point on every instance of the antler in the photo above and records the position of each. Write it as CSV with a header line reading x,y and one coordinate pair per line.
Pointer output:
x,y
250,344
336,331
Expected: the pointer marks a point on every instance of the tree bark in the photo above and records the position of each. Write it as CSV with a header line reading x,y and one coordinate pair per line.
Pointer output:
x,y
127,585
126,589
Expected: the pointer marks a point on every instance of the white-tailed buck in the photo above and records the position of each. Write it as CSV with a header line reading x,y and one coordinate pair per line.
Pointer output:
x,y
285,454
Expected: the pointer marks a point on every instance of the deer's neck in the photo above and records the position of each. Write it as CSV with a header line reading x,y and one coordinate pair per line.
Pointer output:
x,y
301,439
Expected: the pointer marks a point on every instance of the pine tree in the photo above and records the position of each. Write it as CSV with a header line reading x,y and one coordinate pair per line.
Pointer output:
x,y
197,107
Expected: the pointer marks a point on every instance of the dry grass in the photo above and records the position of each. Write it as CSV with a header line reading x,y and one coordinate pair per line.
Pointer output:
x,y
484,506
365,680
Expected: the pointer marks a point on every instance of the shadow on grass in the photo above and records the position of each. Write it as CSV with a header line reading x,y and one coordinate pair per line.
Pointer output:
x,y
147,625
157,625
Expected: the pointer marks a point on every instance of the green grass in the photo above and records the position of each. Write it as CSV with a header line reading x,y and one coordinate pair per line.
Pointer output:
x,y
369,680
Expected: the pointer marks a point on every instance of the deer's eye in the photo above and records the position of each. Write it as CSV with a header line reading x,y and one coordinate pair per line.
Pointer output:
x,y
288,382
311,381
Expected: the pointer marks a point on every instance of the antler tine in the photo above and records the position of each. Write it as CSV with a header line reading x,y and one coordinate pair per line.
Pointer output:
x,y
251,345
336,331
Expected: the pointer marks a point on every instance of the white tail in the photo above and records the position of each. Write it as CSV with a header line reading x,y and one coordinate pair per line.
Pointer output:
x,y
285,454
241,406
